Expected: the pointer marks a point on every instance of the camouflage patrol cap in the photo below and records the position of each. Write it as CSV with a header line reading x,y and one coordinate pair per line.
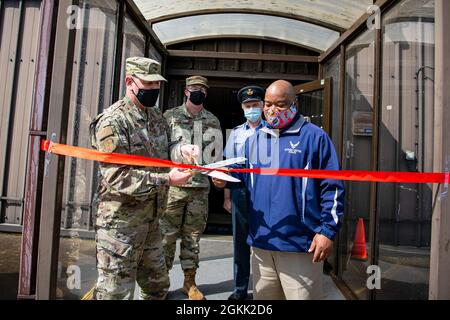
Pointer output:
x,y
197,80
144,68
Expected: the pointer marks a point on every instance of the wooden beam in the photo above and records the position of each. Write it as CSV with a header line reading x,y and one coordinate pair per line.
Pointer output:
x,y
241,75
360,24
292,16
439,288
309,87
243,56
241,36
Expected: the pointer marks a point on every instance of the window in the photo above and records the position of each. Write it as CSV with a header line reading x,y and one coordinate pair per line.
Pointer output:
x,y
333,70
406,144
91,92
336,13
133,46
211,25
354,246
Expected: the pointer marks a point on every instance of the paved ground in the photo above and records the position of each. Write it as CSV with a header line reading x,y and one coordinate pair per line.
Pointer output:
x,y
215,276
9,264
405,270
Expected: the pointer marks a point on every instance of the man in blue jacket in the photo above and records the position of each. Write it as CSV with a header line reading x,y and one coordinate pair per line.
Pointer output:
x,y
292,221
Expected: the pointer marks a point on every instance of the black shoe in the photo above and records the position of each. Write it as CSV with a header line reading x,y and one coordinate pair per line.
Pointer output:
x,y
235,297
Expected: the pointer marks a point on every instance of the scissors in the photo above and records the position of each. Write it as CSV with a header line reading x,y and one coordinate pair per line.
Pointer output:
x,y
220,164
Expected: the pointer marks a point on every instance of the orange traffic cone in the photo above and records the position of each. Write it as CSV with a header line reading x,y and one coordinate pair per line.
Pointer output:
x,y
359,250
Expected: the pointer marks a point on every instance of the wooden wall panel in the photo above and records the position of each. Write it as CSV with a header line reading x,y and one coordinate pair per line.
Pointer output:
x,y
251,69
228,45
251,46
274,67
205,64
21,47
182,63
299,67
9,27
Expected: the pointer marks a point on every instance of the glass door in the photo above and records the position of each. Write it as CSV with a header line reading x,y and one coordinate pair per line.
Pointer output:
x,y
314,102
66,268
354,245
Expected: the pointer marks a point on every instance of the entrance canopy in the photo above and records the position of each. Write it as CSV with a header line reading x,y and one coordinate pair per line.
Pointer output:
x,y
312,24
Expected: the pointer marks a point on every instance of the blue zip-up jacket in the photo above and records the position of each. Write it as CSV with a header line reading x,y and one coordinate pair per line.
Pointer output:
x,y
285,213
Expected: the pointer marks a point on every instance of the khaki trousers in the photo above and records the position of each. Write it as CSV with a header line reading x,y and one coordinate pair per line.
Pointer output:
x,y
286,275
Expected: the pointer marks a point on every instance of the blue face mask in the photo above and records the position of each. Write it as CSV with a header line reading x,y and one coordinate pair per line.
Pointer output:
x,y
253,114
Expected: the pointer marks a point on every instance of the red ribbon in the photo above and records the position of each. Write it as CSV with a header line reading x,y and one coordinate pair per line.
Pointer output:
x,y
367,176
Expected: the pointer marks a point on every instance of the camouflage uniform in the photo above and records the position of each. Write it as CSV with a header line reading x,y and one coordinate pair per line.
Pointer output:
x,y
187,206
131,200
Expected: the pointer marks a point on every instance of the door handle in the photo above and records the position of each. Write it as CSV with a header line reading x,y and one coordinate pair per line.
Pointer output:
x,y
348,149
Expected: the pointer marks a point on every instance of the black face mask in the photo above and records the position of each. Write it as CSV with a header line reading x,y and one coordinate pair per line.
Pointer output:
x,y
147,97
197,97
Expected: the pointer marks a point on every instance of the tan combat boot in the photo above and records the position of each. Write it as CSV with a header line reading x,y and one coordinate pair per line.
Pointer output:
x,y
190,288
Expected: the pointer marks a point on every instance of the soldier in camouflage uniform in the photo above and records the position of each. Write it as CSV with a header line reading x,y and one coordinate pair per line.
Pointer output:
x,y
187,207
131,198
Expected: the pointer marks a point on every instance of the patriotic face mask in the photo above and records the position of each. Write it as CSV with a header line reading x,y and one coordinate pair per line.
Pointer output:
x,y
279,119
